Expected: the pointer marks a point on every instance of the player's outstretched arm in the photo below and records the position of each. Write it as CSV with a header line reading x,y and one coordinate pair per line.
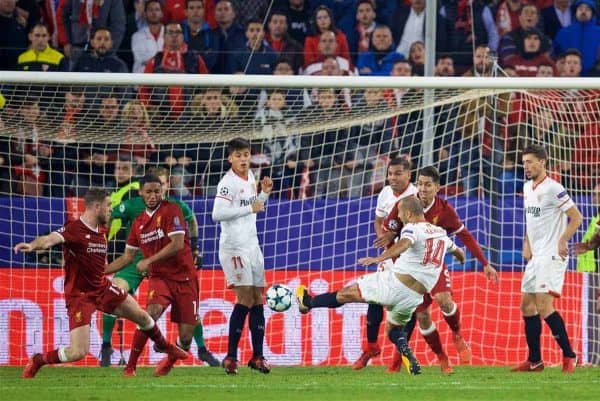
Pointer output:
x,y
589,245
121,261
40,243
393,252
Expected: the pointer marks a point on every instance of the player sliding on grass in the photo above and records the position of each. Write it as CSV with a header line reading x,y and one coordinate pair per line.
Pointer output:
x,y
420,252
160,233
86,287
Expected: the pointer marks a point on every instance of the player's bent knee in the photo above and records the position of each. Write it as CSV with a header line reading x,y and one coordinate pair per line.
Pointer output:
x,y
424,319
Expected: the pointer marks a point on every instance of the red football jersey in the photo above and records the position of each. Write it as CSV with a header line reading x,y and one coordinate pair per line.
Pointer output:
x,y
150,233
440,213
84,250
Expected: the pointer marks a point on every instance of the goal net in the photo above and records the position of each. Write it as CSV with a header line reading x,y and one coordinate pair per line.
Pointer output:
x,y
326,142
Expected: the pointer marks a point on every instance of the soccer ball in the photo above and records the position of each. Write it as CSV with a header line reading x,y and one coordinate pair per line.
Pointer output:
x,y
279,298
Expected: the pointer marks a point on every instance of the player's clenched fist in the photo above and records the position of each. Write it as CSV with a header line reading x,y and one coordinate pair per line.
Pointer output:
x,y
266,184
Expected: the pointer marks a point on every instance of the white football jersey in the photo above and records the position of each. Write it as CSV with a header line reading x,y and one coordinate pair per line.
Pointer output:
x,y
545,218
425,258
387,198
234,199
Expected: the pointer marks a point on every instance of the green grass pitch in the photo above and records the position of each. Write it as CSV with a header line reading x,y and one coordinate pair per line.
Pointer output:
x,y
300,383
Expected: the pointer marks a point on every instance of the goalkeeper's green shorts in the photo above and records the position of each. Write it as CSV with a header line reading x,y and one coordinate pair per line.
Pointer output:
x,y
130,274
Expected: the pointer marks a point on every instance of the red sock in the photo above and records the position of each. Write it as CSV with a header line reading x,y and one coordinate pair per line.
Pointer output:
x,y
453,320
51,357
137,346
433,340
155,335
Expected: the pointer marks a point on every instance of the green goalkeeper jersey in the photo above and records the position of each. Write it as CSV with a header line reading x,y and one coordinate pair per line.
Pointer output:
x,y
131,208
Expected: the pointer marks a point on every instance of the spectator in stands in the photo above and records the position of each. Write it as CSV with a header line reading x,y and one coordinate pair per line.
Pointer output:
x,y
149,40
328,48
572,65
298,12
529,18
40,56
380,59
256,57
465,25
31,155
82,18
375,140
545,70
212,108
401,68
226,37
556,17
468,124
101,57
278,38
483,64
507,16
409,26
359,39
137,143
444,66
278,143
322,22
167,104
197,33
416,56
71,115
583,34
334,153
176,11
108,115
529,55
13,36
294,98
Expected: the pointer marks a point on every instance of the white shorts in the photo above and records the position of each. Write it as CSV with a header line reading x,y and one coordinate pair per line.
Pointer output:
x,y
544,274
385,289
243,267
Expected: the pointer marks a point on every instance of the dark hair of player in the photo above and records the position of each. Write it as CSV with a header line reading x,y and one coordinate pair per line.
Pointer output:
x,y
537,150
237,144
431,172
400,161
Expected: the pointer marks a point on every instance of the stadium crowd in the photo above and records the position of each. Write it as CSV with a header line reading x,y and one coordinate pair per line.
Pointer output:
x,y
285,37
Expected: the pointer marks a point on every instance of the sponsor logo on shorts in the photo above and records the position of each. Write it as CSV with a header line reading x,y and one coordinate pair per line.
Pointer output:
x,y
78,317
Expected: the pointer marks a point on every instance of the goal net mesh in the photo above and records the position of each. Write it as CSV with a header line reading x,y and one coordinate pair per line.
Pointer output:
x,y
326,150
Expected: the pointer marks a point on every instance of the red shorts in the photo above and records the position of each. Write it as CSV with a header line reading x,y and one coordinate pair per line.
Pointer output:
x,y
181,295
81,306
443,285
